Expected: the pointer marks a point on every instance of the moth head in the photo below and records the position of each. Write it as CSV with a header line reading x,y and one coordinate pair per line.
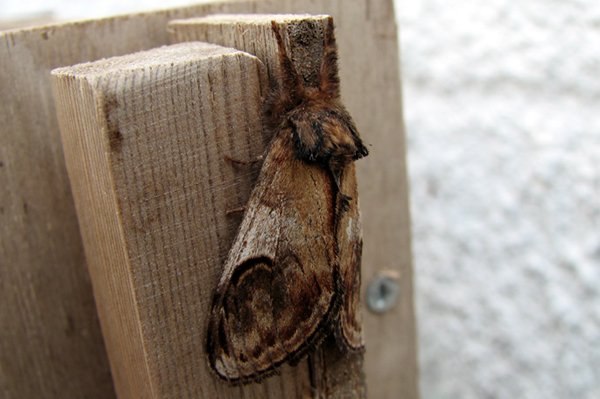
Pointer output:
x,y
322,134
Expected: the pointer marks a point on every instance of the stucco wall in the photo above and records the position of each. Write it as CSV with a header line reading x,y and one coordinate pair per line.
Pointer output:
x,y
502,105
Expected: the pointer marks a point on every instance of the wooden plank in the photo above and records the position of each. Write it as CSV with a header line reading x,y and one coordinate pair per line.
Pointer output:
x,y
42,272
371,92
145,138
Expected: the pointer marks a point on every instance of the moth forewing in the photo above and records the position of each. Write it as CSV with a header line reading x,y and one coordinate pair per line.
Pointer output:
x,y
277,294
292,275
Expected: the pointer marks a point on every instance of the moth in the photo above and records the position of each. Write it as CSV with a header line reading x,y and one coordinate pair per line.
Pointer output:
x,y
292,275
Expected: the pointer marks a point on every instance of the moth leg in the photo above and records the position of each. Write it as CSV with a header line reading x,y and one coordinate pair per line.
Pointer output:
x,y
251,162
235,161
336,174
344,202
239,209
329,79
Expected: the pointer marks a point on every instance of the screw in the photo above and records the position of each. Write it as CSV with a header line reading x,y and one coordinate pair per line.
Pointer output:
x,y
383,292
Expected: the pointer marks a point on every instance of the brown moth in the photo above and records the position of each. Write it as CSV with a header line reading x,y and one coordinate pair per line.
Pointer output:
x,y
293,273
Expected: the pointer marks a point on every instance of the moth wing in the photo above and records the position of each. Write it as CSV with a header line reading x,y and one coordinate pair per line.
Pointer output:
x,y
276,297
349,236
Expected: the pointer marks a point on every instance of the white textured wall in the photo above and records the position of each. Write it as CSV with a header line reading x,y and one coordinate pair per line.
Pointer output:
x,y
502,105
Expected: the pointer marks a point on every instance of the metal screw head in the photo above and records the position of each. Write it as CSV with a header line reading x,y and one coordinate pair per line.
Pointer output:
x,y
383,292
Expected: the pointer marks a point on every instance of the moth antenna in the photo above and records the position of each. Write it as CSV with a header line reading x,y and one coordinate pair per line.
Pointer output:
x,y
329,79
289,77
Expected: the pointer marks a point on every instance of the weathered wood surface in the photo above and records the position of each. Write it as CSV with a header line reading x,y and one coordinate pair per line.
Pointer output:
x,y
42,266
